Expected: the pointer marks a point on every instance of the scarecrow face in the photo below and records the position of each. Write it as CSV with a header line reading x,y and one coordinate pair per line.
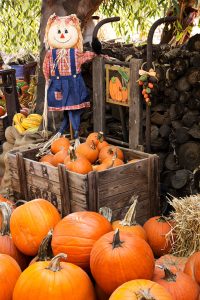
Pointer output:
x,y
62,35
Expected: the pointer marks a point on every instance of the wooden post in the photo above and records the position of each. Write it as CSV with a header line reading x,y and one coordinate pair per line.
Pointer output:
x,y
93,191
99,94
135,106
22,175
64,190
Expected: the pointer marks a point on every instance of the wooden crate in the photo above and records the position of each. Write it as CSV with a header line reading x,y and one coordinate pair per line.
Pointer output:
x,y
71,192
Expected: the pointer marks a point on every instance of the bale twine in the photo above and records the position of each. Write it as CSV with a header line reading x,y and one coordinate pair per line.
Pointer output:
x,y
186,229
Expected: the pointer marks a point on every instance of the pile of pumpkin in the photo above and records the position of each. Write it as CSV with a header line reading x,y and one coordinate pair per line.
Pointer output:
x,y
95,154
86,257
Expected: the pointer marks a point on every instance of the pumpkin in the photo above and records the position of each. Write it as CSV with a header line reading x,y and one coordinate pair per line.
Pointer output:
x,y
140,289
129,223
124,94
54,280
46,158
9,273
90,151
76,234
111,162
6,243
179,285
59,157
134,160
95,137
192,267
30,223
102,145
11,204
59,144
170,262
101,167
77,163
115,89
45,251
156,229
120,257
109,151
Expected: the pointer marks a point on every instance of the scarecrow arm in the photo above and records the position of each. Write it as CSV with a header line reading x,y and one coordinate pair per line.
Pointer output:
x,y
85,56
46,65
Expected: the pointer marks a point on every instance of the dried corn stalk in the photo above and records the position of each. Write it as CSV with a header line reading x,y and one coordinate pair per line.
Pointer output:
x,y
186,230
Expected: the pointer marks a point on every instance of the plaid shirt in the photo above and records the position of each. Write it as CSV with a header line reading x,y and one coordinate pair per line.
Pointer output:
x,y
64,63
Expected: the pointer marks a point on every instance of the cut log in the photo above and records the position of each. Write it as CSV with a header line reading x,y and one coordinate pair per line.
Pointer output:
x,y
194,43
171,94
165,131
193,76
195,60
182,85
189,155
184,97
182,135
194,104
189,119
179,179
154,132
171,162
159,144
162,156
176,124
195,131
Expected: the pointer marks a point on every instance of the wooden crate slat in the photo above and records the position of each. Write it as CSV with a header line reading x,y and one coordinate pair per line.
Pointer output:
x,y
43,183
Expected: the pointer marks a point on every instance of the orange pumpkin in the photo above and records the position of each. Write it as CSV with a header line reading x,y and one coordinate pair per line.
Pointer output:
x,y
115,89
47,158
77,163
45,251
6,243
101,167
129,223
30,223
169,261
9,273
90,151
100,294
53,280
179,285
116,258
141,289
124,94
95,137
76,234
156,229
134,160
59,157
102,145
11,204
109,151
112,162
59,144
192,267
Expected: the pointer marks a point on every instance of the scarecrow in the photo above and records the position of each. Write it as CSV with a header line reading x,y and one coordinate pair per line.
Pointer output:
x,y
65,87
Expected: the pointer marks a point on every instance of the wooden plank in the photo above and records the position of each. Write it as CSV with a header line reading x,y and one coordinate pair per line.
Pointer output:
x,y
64,190
135,106
43,183
92,191
22,175
98,94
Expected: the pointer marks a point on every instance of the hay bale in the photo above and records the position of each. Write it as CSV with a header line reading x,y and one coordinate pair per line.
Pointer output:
x,y
186,230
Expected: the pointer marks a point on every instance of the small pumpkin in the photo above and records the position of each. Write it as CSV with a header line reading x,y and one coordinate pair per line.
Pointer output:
x,y
109,151
112,162
76,234
102,145
192,267
119,257
179,285
59,157
129,223
90,151
101,167
54,280
30,223
7,245
141,289
47,158
169,261
134,160
156,229
115,89
45,252
95,137
9,273
77,163
124,94
59,144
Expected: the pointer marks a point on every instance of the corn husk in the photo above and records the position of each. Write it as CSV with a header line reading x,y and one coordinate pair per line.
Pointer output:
x,y
186,229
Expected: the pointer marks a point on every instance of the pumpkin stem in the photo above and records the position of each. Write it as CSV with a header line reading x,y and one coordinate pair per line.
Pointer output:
x,y
21,202
144,295
169,276
6,214
106,212
100,136
129,218
72,154
116,240
45,250
54,264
